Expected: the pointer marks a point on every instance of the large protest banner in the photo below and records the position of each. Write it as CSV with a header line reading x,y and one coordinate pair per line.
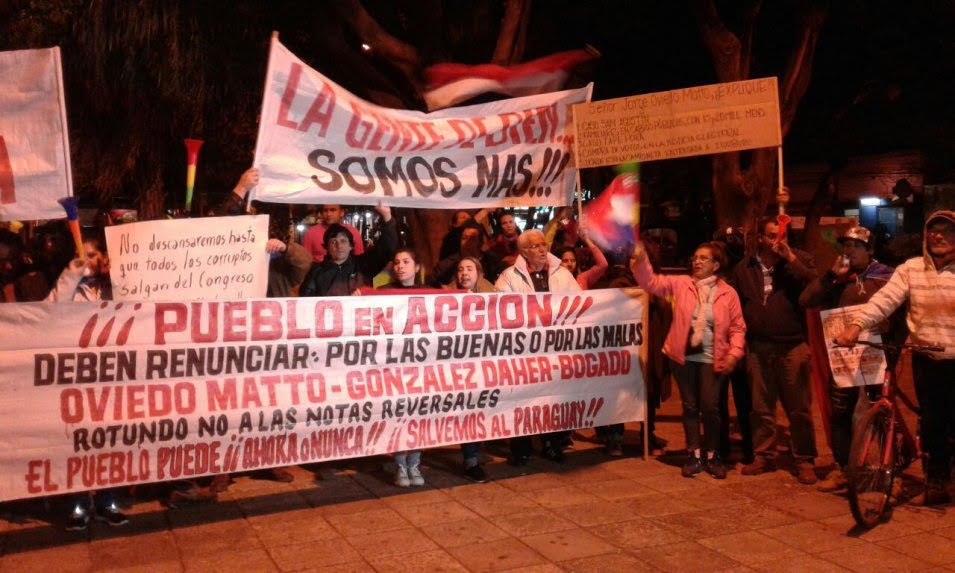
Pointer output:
x,y
34,145
318,143
856,366
679,123
106,394
218,258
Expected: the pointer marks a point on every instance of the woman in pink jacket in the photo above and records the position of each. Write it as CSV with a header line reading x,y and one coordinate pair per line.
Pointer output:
x,y
704,344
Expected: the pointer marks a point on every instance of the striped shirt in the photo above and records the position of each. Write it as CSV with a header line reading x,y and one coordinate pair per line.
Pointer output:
x,y
931,296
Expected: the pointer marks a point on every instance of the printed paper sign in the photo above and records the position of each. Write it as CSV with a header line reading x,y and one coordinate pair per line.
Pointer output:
x,y
319,143
679,123
110,394
34,145
856,366
189,259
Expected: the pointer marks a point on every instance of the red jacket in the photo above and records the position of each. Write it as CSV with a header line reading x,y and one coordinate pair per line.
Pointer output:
x,y
729,329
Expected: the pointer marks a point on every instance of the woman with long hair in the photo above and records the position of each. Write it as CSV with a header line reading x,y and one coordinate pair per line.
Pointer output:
x,y
406,273
704,343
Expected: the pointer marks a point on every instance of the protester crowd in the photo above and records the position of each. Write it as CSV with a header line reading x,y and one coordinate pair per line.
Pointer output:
x,y
735,321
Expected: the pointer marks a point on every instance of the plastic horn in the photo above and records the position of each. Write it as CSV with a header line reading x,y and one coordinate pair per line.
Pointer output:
x,y
782,219
73,220
192,158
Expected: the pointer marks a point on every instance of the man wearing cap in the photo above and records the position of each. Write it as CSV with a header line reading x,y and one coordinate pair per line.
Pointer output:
x,y
928,284
853,279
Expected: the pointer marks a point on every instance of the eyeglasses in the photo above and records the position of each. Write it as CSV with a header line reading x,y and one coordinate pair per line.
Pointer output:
x,y
537,247
701,258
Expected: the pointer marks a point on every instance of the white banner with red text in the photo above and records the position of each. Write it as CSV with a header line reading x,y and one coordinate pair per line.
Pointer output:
x,y
34,145
318,143
107,394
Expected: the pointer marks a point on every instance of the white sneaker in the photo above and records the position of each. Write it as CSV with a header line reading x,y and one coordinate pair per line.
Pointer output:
x,y
401,477
415,474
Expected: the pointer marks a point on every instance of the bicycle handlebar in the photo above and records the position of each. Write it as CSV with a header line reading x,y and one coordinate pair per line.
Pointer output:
x,y
895,347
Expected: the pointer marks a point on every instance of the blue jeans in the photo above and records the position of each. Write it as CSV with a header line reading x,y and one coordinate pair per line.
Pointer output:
x,y
471,453
407,459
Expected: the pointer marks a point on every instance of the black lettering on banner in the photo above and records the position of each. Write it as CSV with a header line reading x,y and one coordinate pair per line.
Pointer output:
x,y
394,175
425,190
335,181
449,174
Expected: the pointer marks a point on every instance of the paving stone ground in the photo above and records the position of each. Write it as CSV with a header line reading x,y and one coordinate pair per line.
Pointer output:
x,y
591,513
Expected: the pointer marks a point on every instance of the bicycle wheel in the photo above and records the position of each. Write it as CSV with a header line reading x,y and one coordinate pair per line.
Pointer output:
x,y
870,480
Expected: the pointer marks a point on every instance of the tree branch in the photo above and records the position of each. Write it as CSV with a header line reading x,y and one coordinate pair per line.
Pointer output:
x,y
513,26
795,80
723,45
749,31
403,56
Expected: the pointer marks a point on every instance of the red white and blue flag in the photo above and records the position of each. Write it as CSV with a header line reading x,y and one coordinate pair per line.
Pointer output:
x,y
613,218
450,84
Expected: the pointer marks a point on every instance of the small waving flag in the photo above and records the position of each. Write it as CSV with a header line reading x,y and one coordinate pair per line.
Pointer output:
x,y
613,218
450,84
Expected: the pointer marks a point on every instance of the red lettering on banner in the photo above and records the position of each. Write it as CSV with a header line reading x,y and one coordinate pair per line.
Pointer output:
x,y
35,475
233,327
358,129
270,382
266,320
129,402
465,131
443,304
107,469
293,330
470,320
417,316
511,310
328,309
188,460
212,332
222,395
319,112
7,189
250,393
362,322
162,326
288,96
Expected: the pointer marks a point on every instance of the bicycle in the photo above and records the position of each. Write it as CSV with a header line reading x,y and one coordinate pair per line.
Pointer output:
x,y
882,444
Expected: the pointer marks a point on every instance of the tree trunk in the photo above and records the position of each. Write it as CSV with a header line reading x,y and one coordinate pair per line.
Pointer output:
x,y
821,199
742,196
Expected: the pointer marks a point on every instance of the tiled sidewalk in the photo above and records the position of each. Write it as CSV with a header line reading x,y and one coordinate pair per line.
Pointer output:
x,y
588,514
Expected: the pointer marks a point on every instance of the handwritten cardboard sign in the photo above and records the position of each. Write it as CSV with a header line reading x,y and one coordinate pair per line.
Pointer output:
x,y
189,259
678,123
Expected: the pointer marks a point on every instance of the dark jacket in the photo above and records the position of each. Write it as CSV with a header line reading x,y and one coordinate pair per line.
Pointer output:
x,y
829,292
779,318
328,278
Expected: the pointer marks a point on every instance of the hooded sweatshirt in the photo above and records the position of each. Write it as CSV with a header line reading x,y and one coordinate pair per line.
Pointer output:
x,y
930,293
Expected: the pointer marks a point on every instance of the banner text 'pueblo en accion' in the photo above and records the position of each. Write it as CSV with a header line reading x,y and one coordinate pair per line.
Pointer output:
x,y
109,394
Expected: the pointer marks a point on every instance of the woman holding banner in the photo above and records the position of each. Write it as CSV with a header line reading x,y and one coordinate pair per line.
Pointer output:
x,y
406,273
87,279
704,343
